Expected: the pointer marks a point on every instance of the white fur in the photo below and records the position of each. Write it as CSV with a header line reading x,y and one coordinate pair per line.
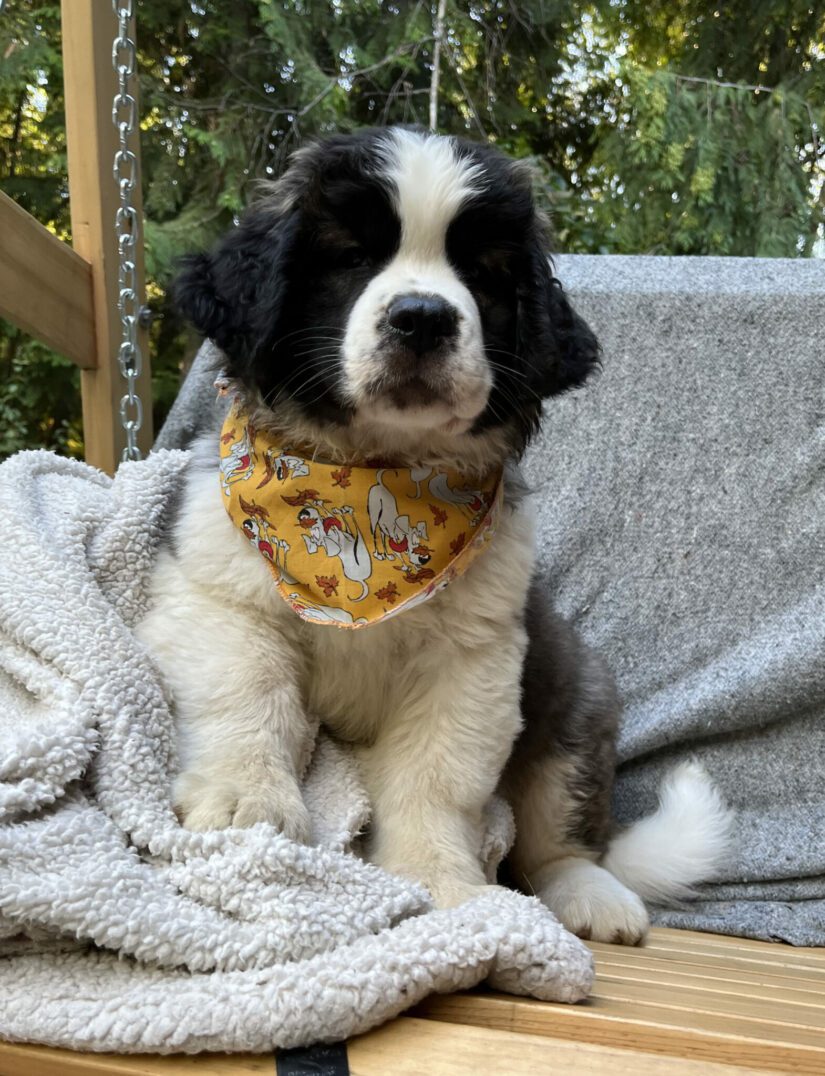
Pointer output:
x,y
243,738
590,902
430,699
431,183
586,899
662,857
659,858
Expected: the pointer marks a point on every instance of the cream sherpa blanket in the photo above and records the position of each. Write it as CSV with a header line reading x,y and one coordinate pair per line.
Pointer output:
x,y
121,931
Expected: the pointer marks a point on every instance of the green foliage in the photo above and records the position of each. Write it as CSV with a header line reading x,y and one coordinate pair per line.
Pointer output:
x,y
700,168
39,397
642,119
32,128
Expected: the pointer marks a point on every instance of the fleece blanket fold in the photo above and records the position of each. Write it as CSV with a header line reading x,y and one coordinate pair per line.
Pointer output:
x,y
121,931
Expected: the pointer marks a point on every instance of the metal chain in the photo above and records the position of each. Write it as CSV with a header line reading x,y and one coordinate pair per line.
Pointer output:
x,y
127,227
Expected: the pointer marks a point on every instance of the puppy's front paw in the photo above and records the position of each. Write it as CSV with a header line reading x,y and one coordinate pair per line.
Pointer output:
x,y
204,804
591,903
203,809
286,812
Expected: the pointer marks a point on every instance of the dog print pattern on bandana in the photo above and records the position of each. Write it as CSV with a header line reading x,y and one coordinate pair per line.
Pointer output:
x,y
352,545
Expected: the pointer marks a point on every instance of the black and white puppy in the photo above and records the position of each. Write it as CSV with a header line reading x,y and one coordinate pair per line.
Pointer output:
x,y
391,298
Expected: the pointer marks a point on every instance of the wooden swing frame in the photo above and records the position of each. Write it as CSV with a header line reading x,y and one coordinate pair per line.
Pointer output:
x,y
66,296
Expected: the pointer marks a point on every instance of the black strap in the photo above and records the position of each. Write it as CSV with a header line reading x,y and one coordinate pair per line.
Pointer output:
x,y
321,1060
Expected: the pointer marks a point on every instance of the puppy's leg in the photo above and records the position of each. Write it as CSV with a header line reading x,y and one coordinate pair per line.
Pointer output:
x,y
437,760
243,737
555,858
558,781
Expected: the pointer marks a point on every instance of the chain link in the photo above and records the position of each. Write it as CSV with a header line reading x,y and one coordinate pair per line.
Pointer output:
x,y
127,227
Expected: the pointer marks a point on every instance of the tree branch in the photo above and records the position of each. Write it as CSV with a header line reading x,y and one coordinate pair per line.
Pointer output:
x,y
438,34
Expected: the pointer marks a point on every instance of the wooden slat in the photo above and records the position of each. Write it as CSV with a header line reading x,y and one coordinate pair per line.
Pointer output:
x,y
408,1047
45,286
797,967
784,957
692,995
760,1009
20,1060
405,1047
648,1029
707,965
663,936
90,84
786,968
744,983
776,963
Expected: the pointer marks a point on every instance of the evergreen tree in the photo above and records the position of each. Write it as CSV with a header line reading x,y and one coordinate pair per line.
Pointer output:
x,y
666,127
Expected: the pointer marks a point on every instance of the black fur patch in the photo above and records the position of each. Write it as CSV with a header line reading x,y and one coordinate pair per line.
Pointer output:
x,y
276,293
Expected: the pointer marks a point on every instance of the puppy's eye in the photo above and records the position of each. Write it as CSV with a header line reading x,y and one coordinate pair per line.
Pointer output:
x,y
487,275
478,274
353,258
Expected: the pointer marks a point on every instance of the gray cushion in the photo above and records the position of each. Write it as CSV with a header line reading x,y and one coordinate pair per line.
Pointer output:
x,y
681,509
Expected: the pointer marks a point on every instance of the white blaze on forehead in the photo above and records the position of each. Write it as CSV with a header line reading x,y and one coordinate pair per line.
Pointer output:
x,y
431,184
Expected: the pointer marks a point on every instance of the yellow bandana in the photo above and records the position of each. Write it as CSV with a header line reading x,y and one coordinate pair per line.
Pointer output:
x,y
352,545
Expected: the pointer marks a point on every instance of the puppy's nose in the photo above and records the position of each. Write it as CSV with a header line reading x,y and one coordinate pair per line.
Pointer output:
x,y
422,321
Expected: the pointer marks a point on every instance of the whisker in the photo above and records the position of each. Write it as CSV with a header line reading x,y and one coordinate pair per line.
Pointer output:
x,y
506,370
309,329
312,350
309,403
313,379
320,364
514,402
320,360
510,355
509,392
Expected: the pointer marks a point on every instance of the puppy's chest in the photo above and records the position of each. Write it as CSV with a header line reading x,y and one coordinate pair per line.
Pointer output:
x,y
358,680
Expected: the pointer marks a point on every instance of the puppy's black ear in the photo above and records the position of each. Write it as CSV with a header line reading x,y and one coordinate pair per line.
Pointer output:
x,y
558,347
235,294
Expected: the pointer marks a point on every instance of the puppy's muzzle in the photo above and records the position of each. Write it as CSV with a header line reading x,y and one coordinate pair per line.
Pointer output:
x,y
421,322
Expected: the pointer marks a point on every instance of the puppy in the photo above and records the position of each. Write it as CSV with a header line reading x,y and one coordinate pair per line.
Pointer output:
x,y
390,299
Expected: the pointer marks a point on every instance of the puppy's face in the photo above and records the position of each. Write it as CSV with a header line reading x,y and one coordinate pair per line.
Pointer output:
x,y
395,282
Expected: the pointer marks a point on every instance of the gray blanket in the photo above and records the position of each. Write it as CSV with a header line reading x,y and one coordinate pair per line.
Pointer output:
x,y
119,930
682,514
681,510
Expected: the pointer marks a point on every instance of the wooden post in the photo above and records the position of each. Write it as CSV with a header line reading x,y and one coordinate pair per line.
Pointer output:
x,y
89,27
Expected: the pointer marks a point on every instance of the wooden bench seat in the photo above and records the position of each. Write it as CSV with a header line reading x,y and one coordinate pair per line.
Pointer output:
x,y
689,1004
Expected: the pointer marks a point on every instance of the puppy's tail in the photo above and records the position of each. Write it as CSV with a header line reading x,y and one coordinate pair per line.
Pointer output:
x,y
662,857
